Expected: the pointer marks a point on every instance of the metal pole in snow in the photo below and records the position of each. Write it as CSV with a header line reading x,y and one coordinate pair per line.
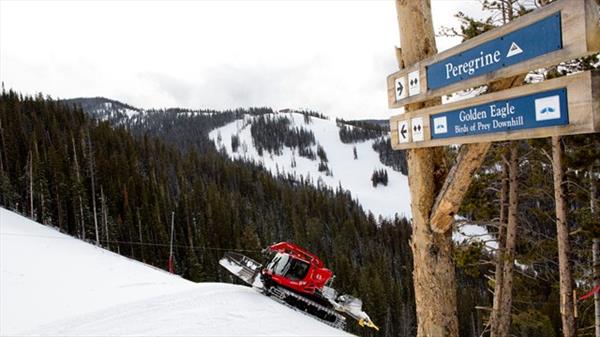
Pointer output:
x,y
171,246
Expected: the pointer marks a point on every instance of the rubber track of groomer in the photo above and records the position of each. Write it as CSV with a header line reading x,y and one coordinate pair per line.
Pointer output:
x,y
282,296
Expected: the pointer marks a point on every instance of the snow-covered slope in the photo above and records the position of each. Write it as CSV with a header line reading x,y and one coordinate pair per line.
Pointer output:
x,y
352,174
52,284
105,109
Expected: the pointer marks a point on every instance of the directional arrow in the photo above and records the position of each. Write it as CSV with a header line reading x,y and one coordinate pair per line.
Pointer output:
x,y
403,127
400,88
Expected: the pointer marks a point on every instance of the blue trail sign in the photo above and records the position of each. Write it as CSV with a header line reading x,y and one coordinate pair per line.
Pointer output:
x,y
549,108
562,106
536,39
563,30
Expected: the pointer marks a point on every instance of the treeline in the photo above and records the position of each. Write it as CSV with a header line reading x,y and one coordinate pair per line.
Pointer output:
x,y
358,131
272,133
379,177
103,108
187,129
107,186
536,298
306,113
389,157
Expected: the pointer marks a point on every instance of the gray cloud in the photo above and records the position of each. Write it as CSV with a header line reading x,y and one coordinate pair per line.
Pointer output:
x,y
322,55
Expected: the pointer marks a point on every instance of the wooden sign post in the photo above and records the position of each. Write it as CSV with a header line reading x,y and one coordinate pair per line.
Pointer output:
x,y
433,273
561,31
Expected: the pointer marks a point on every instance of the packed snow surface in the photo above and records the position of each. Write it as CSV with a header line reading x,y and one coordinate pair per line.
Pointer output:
x,y
54,285
352,174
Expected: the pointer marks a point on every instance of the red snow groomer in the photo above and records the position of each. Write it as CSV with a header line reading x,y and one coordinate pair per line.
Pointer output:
x,y
299,279
296,269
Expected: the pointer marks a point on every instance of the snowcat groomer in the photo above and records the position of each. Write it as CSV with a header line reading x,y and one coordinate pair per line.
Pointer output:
x,y
297,278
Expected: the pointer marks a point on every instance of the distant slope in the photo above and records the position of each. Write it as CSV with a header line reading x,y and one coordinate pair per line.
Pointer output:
x,y
188,128
384,123
104,108
347,172
52,284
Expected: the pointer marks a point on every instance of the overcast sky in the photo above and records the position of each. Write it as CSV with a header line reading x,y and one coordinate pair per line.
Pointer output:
x,y
329,56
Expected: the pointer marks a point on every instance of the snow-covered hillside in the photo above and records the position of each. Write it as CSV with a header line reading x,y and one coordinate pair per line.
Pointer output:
x,y
52,284
105,109
352,174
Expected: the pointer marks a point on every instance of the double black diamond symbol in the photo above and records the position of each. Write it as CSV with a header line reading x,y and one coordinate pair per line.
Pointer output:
x,y
413,81
417,128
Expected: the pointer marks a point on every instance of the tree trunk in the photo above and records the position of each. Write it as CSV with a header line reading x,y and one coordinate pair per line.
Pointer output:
x,y
2,149
31,184
93,178
596,261
449,199
595,252
78,177
499,273
566,279
104,213
434,280
567,309
141,238
171,269
504,315
433,274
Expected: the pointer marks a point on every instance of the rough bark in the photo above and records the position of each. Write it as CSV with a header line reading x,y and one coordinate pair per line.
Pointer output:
x,y
504,314
499,272
433,274
456,185
596,261
434,280
595,251
567,312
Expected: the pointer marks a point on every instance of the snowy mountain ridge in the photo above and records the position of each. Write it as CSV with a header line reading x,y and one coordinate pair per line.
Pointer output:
x,y
107,109
344,169
104,108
